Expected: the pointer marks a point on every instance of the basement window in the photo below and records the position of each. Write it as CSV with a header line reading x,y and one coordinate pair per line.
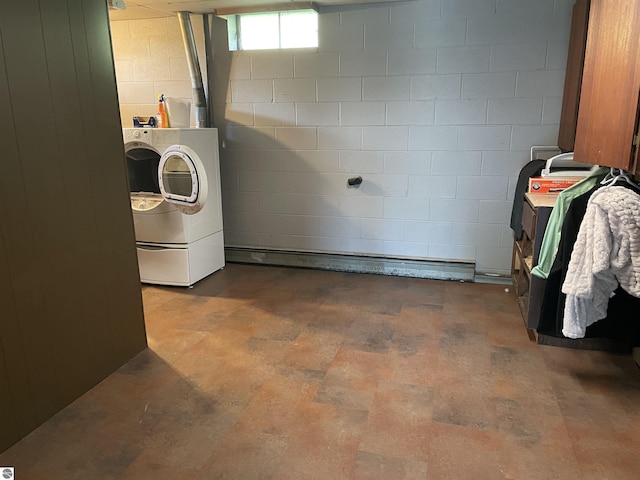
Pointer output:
x,y
273,30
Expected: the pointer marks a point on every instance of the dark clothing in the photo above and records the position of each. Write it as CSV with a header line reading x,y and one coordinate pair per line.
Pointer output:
x,y
622,309
531,169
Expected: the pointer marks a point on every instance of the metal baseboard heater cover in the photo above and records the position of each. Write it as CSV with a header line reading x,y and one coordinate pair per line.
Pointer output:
x,y
433,269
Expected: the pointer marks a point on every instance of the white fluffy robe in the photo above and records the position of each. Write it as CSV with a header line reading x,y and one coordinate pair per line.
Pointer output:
x,y
606,252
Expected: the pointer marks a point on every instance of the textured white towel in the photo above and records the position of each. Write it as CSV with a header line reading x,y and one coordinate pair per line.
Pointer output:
x,y
606,252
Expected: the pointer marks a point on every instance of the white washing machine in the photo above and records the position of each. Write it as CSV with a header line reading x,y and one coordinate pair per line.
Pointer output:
x,y
174,180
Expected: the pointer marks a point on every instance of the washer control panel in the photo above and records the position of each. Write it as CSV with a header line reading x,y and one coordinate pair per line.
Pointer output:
x,y
138,134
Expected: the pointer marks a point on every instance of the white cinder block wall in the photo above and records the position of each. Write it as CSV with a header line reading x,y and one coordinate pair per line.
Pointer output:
x,y
435,103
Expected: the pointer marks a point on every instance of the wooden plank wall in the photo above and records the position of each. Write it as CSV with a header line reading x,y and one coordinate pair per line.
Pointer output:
x,y
70,299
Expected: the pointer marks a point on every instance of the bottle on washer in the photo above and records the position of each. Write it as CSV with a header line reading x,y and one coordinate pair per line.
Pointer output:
x,y
161,116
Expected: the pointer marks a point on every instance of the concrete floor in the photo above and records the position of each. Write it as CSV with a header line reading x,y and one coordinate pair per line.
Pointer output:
x,y
274,373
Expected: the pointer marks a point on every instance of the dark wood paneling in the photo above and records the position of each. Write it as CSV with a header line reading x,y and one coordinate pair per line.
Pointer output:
x,y
33,218
14,389
89,150
573,76
15,257
79,219
10,430
68,266
610,82
118,245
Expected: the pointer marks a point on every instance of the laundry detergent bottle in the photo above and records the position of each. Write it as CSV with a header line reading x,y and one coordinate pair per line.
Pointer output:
x,y
161,116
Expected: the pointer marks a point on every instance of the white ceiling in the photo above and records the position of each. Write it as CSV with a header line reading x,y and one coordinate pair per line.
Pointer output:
x,y
140,9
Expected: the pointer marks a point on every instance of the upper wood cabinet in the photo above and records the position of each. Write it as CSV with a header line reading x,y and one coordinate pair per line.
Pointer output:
x,y
602,83
573,76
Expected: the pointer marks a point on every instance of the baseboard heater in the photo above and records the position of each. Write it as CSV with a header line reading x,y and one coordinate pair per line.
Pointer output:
x,y
434,269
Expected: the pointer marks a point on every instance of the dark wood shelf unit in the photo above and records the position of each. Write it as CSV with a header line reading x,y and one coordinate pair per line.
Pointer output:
x,y
529,288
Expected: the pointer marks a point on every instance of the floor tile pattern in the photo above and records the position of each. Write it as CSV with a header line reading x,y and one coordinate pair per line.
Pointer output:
x,y
291,374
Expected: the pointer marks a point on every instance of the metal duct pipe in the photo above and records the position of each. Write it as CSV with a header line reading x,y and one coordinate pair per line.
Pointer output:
x,y
199,99
209,54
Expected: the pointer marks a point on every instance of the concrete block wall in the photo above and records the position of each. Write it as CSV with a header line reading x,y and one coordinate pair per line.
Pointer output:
x,y
435,103
150,60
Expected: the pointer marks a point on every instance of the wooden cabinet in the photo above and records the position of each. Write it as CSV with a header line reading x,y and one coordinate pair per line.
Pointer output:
x,y
573,76
529,289
603,84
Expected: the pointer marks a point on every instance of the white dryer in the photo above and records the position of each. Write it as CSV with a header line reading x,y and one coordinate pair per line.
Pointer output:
x,y
174,180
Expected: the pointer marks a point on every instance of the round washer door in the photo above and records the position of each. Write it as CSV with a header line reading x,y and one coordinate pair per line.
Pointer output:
x,y
182,179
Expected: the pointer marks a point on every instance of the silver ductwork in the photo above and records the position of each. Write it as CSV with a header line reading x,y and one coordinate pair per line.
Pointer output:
x,y
199,98
207,20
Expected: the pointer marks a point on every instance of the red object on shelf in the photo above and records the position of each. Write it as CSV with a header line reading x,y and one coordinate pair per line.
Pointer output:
x,y
551,184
